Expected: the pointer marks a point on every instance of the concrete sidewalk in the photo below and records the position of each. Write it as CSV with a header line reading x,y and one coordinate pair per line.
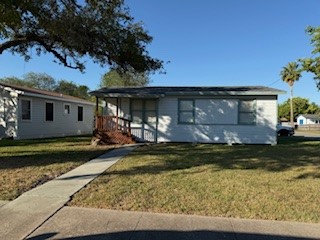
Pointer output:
x,y
85,223
23,215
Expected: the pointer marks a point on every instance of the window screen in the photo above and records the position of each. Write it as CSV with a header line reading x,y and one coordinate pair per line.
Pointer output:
x,y
247,112
186,111
80,114
26,109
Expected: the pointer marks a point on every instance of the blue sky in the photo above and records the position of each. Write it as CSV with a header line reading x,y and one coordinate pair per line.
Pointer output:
x,y
209,43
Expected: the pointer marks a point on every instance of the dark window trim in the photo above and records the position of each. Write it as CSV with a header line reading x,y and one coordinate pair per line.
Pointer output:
x,y
45,115
80,117
30,110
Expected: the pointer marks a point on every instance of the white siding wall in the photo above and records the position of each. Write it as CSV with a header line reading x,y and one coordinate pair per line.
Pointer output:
x,y
62,125
8,113
216,121
301,118
262,133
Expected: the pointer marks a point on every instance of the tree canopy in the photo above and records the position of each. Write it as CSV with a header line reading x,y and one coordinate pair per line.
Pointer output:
x,y
312,64
72,89
71,29
129,79
46,82
301,106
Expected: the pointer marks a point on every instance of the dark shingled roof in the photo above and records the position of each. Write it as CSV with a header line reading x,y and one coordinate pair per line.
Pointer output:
x,y
44,93
311,116
193,91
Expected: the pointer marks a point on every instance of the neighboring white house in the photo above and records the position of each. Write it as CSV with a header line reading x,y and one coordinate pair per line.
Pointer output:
x,y
196,114
303,119
27,113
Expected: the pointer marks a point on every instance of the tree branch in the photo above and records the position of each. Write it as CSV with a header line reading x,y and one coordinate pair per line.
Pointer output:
x,y
40,40
12,43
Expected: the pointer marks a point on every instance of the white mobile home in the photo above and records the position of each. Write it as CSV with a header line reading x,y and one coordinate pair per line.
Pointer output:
x,y
244,115
27,113
304,119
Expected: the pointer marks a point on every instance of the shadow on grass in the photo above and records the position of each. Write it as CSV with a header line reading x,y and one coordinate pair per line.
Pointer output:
x,y
39,159
172,234
42,141
290,152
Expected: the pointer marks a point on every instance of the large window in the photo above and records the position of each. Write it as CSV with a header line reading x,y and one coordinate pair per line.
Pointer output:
x,y
186,111
25,109
247,112
49,111
80,113
144,110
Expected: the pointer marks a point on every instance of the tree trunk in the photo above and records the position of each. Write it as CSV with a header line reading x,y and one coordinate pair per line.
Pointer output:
x,y
291,106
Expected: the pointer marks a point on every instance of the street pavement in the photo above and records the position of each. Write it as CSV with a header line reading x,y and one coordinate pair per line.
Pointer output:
x,y
85,223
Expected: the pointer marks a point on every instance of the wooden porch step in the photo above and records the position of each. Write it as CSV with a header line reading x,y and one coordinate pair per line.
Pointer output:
x,y
113,137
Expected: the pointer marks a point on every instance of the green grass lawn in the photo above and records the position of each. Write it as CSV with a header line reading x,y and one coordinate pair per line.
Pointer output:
x,y
261,182
25,164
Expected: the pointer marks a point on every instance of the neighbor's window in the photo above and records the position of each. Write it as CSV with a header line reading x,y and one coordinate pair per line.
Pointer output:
x,y
186,111
247,112
80,114
66,109
25,109
49,111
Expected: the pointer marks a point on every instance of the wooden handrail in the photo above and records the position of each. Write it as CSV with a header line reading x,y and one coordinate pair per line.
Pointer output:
x,y
113,123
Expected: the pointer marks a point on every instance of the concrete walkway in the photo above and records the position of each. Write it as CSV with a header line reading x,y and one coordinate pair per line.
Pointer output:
x,y
23,215
2,203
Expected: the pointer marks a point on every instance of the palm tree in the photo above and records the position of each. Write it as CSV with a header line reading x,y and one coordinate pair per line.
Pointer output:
x,y
290,74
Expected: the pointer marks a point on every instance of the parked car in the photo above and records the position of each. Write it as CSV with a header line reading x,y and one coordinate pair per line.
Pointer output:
x,y
284,130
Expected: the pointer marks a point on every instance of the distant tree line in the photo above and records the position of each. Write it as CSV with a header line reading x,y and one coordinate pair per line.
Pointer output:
x,y
300,106
44,81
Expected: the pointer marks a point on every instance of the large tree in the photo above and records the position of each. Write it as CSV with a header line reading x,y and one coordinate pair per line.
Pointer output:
x,y
40,81
72,29
127,79
34,80
301,106
290,74
72,89
312,64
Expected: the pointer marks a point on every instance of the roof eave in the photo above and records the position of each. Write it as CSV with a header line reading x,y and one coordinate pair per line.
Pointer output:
x,y
29,94
226,93
124,95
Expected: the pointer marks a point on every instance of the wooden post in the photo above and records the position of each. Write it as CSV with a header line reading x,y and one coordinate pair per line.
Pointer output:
x,y
117,115
129,128
97,106
97,112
